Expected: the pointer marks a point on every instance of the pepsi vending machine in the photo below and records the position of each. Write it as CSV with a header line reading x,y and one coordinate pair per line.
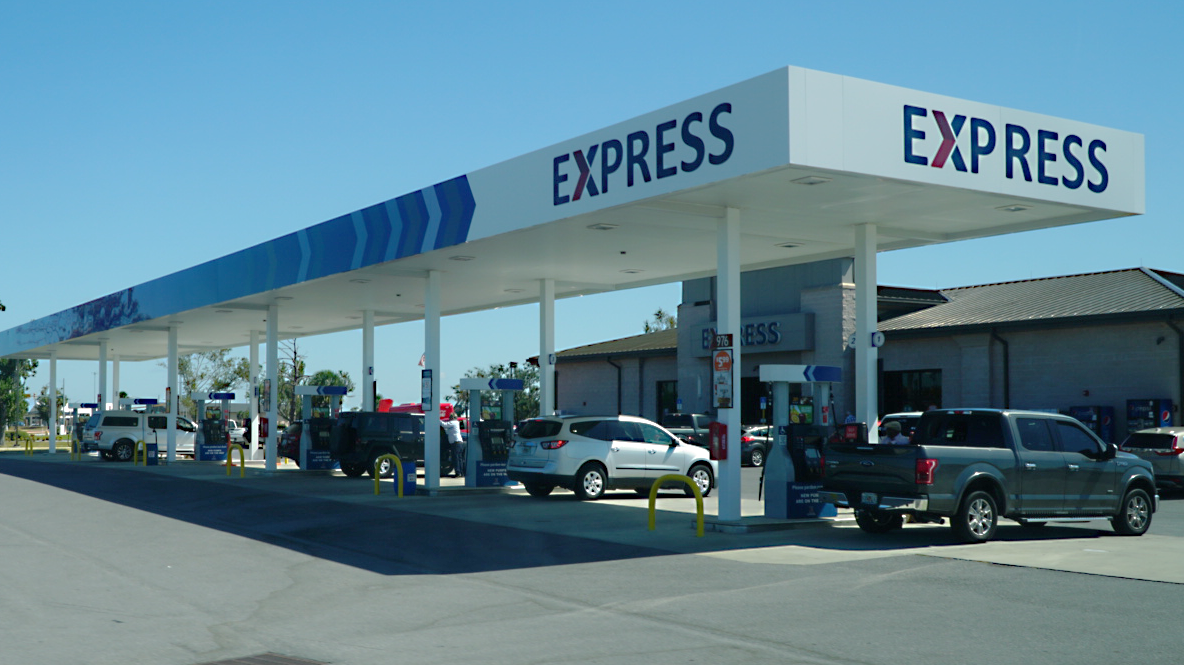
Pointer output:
x,y
1100,419
1147,413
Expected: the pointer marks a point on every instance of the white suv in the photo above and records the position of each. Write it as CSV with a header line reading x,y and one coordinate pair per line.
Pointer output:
x,y
115,433
590,454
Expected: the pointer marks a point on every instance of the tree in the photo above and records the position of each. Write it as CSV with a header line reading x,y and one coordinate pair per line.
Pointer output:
x,y
662,320
41,404
209,371
13,373
526,403
328,377
291,374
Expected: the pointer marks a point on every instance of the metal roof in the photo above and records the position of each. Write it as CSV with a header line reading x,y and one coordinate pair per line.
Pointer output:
x,y
663,342
1135,292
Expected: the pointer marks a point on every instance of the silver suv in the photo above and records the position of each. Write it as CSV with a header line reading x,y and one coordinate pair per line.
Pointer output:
x,y
591,454
1164,448
115,433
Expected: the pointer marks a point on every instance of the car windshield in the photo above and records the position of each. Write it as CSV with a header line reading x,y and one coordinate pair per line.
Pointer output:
x,y
1149,441
534,429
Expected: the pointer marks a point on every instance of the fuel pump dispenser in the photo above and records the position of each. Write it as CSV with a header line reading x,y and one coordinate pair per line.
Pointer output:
x,y
793,468
485,464
316,425
213,433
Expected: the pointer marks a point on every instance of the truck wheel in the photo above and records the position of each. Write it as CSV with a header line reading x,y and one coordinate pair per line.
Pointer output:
x,y
590,482
758,456
1134,516
385,470
976,519
876,521
353,469
122,451
538,489
701,475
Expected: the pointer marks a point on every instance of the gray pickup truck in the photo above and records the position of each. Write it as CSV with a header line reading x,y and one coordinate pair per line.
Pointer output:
x,y
974,466
690,427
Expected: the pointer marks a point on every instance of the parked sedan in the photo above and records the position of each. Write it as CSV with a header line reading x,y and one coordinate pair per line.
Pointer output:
x,y
591,454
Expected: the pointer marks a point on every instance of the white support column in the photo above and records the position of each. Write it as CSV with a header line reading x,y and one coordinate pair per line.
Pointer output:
x,y
866,355
253,393
53,402
431,424
115,377
174,399
273,380
103,395
368,360
728,308
546,347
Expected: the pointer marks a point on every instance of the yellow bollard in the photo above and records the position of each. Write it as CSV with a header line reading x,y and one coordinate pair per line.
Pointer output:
x,y
136,453
398,471
29,446
694,488
242,461
75,450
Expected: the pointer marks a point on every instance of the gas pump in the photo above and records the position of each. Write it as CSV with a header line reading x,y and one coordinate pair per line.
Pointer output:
x,y
793,468
316,425
213,433
486,456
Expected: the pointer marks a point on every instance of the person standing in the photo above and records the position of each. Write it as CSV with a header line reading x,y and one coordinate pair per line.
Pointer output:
x,y
452,431
894,437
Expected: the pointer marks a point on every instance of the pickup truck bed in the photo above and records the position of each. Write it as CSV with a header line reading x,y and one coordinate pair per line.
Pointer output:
x,y
974,466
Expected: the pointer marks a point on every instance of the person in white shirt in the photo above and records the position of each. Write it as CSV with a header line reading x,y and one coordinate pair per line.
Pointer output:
x,y
893,437
452,431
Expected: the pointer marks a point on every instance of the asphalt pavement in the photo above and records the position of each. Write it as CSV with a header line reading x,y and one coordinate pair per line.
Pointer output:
x,y
110,563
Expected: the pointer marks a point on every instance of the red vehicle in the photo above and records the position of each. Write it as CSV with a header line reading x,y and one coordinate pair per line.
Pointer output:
x,y
446,410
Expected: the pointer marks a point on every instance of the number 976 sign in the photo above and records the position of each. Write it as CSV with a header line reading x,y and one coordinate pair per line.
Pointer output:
x,y
722,378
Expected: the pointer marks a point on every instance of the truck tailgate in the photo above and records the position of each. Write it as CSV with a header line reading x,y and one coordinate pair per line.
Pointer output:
x,y
871,468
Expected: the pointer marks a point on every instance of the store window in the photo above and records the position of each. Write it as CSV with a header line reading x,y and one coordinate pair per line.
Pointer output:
x,y
913,390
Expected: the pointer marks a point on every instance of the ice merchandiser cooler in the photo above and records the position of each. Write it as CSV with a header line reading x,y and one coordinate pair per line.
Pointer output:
x,y
1147,413
1100,419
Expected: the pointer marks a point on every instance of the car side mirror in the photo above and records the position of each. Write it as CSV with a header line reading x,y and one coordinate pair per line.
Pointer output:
x,y
1107,453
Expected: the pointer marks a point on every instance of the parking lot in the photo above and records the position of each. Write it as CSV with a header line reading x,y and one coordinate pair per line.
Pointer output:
x,y
109,563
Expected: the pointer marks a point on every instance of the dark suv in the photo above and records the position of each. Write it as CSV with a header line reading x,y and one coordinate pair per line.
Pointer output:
x,y
359,438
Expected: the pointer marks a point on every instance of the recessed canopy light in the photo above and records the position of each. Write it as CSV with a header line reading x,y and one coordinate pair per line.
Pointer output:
x,y
1015,207
513,290
461,257
359,281
603,227
789,245
632,271
283,297
224,311
811,180
296,327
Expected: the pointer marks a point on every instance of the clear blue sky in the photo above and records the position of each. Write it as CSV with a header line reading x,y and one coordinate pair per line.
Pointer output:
x,y
140,138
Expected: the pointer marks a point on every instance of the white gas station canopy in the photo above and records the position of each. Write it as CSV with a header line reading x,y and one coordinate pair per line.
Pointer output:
x,y
806,157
